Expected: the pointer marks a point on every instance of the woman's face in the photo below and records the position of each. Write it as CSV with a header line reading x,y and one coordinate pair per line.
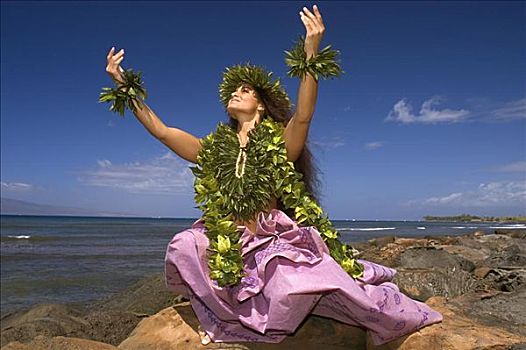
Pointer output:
x,y
244,101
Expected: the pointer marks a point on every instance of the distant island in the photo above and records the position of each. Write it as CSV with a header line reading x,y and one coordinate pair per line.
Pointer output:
x,y
9,206
474,218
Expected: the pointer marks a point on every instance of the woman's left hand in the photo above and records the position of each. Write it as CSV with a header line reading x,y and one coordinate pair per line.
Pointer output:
x,y
315,29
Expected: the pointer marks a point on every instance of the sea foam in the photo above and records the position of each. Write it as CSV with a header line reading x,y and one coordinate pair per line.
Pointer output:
x,y
20,237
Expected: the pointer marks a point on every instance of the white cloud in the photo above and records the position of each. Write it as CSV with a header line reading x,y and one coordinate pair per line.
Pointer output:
x,y
493,194
444,200
332,143
373,145
104,163
166,174
513,167
16,186
402,112
511,111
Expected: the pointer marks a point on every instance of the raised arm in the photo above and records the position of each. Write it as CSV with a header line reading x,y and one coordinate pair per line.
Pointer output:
x,y
298,127
184,144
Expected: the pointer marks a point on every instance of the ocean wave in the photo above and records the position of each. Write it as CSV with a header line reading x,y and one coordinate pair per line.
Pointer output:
x,y
510,227
28,238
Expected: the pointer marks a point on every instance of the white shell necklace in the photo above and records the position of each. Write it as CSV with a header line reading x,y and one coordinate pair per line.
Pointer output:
x,y
241,158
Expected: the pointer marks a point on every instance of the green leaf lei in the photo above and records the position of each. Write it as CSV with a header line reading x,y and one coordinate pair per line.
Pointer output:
x,y
267,170
253,75
123,96
223,197
322,64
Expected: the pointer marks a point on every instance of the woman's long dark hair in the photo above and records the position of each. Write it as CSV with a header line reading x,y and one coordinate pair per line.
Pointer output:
x,y
280,111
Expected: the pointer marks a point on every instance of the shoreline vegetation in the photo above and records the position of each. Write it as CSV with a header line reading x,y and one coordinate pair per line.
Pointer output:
x,y
474,218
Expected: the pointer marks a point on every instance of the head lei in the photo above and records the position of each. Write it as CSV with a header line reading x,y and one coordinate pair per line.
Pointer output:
x,y
256,77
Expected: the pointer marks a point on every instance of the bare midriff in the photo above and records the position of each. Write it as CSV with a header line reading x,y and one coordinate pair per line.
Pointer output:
x,y
252,224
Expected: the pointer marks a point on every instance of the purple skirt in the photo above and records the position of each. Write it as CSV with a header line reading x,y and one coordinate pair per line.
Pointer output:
x,y
290,274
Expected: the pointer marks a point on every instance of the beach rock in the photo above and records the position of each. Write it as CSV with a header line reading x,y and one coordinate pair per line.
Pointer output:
x,y
482,278
510,255
50,320
478,234
505,279
481,272
456,332
110,327
42,319
411,242
58,343
431,257
476,256
112,319
176,328
164,330
506,310
422,284
381,242
146,297
516,233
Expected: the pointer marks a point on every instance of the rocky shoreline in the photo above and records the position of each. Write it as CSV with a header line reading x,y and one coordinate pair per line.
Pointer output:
x,y
477,281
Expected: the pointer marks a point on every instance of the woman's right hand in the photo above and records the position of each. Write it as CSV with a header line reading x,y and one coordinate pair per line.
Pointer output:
x,y
113,68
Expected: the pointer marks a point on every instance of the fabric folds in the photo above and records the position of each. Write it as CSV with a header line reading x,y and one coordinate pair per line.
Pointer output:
x,y
290,274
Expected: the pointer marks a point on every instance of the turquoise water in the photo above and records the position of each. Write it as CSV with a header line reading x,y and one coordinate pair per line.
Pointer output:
x,y
77,259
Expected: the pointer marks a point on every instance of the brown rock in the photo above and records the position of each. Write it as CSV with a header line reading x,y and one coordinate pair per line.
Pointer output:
x,y
506,310
147,296
111,327
176,328
410,242
431,257
481,272
382,241
478,234
42,319
521,234
421,284
58,343
474,255
164,330
456,332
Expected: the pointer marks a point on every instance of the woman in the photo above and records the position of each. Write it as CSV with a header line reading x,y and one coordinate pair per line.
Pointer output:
x,y
251,272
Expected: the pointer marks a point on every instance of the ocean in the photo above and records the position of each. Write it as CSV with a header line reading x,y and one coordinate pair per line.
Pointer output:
x,y
64,259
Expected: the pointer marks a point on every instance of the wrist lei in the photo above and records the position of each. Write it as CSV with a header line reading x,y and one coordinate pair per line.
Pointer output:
x,y
322,64
125,93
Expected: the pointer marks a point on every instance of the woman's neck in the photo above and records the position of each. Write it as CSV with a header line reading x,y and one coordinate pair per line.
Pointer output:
x,y
243,127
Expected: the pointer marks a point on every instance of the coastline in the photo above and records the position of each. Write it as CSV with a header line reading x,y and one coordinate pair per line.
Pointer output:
x,y
487,270
63,260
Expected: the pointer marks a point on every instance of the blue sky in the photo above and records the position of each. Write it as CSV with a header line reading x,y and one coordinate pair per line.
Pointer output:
x,y
429,118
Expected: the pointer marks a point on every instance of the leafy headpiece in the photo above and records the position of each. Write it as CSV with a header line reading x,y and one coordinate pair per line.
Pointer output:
x,y
324,64
255,76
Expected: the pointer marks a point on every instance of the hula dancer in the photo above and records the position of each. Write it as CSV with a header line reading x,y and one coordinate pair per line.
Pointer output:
x,y
264,255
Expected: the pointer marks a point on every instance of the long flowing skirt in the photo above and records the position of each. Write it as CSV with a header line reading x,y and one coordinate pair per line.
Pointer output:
x,y
290,274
